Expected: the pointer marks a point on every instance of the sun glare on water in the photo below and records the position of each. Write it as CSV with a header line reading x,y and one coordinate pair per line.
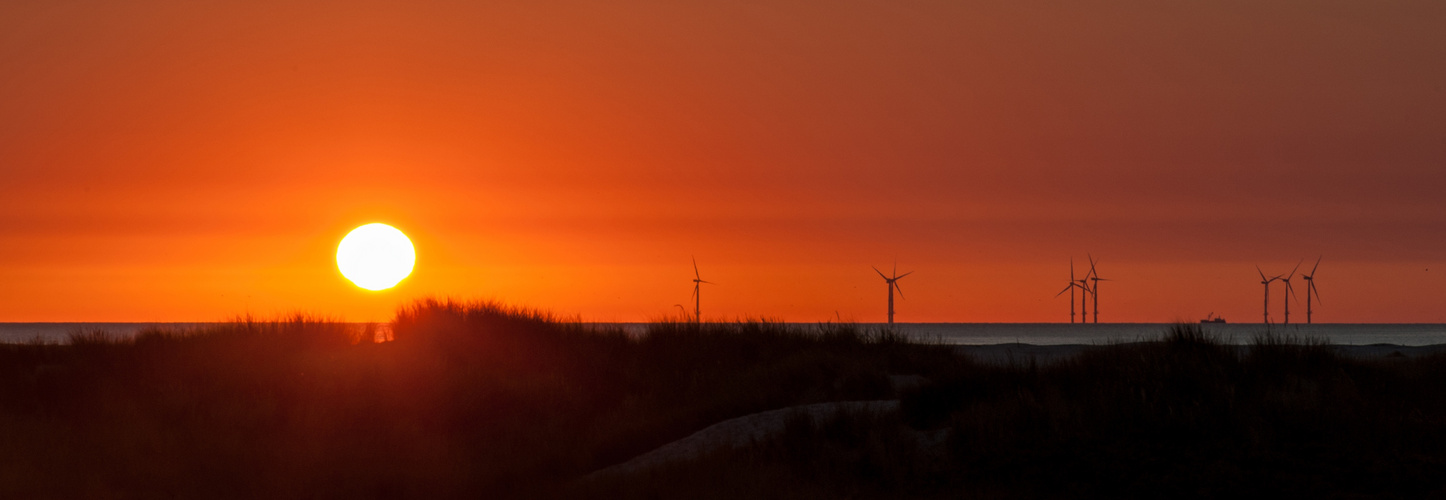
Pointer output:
x,y
375,256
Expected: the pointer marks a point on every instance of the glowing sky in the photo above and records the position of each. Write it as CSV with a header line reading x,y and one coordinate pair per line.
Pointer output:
x,y
192,161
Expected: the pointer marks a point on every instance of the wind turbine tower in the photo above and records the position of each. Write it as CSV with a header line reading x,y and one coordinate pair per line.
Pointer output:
x,y
1073,283
1266,281
893,285
1289,292
1310,287
697,297
1095,290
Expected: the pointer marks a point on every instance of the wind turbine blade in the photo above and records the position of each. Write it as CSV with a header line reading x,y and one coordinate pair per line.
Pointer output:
x,y
1317,264
708,282
881,273
1314,289
1092,265
1262,273
1071,269
1297,267
695,292
905,274
901,290
695,269
1066,289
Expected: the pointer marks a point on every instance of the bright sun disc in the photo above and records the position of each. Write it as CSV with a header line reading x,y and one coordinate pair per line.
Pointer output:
x,y
375,256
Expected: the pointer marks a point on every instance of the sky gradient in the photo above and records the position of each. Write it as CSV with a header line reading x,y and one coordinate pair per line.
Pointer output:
x,y
193,161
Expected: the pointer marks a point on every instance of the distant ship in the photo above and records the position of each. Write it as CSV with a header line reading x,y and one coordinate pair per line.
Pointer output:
x,y
1212,318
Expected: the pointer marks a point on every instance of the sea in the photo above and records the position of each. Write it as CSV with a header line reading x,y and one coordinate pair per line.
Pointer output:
x,y
1041,334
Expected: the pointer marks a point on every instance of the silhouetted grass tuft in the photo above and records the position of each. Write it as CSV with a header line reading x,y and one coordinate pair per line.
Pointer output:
x,y
92,339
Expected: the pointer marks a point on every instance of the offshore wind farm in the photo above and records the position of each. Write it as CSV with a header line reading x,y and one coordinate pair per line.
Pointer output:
x,y
963,334
1089,330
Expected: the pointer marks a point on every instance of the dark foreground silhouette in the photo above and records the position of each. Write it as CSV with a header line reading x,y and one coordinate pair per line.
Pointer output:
x,y
485,401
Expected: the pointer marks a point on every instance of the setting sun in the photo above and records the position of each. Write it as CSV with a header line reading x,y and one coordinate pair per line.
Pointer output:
x,y
375,256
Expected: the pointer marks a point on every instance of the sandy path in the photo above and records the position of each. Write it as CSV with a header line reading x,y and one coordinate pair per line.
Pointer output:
x,y
737,432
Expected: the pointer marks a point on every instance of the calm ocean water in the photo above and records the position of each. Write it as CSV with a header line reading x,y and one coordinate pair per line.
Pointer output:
x,y
1105,333
948,333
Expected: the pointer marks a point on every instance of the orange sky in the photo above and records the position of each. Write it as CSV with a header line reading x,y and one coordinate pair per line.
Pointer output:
x,y
192,161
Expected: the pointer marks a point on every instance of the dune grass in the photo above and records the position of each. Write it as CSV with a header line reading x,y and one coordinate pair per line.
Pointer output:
x,y
468,400
485,400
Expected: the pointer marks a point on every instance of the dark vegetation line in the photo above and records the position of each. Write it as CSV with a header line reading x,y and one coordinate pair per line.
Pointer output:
x,y
484,400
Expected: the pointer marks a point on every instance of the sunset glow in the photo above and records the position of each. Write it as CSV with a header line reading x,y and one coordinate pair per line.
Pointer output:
x,y
194,161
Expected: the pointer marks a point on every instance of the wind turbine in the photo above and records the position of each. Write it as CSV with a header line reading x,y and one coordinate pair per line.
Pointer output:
x,y
1310,287
697,297
1073,283
1266,281
1290,292
1084,286
1095,291
893,285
